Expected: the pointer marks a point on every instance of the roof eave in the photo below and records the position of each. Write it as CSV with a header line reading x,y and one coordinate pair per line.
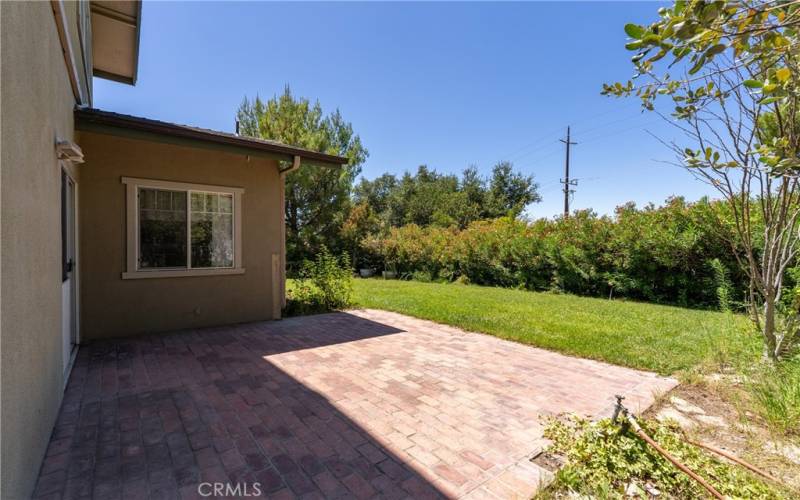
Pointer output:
x,y
122,19
91,120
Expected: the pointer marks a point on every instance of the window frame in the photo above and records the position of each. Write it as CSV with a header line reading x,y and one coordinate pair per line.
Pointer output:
x,y
133,271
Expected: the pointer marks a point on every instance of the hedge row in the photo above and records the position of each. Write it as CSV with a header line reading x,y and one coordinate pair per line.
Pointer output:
x,y
679,253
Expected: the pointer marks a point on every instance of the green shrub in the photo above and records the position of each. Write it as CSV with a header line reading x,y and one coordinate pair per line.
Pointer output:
x,y
324,284
602,459
724,287
657,254
422,276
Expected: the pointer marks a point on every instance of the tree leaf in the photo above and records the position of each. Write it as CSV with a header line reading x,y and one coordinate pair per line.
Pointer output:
x,y
634,31
715,49
701,61
770,100
652,39
753,84
783,74
661,53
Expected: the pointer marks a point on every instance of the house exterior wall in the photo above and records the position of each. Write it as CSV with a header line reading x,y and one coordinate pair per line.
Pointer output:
x,y
36,102
112,306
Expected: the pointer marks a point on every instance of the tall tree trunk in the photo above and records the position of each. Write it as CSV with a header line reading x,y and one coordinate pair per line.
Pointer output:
x,y
770,340
753,302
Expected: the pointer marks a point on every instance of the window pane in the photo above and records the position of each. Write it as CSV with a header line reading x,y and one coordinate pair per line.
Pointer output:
x,y
211,202
147,198
197,203
212,230
226,204
162,228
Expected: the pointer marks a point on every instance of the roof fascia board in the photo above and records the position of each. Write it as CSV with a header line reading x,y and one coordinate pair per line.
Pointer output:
x,y
115,15
86,118
143,135
135,75
114,77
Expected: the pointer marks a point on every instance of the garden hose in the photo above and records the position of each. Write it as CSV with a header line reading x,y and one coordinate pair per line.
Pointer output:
x,y
620,409
733,458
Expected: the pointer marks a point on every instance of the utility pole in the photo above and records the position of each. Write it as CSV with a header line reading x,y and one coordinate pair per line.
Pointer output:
x,y
566,181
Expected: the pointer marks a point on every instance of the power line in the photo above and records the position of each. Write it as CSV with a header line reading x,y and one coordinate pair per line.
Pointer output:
x,y
556,141
532,164
569,183
613,122
543,147
549,135
620,131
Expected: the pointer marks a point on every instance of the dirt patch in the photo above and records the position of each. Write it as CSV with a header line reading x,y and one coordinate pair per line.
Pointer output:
x,y
548,461
716,413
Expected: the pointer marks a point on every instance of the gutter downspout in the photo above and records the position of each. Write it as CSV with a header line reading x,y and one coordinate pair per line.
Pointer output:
x,y
282,173
295,166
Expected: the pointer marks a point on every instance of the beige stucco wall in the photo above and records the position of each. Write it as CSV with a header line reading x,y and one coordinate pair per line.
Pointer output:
x,y
36,106
111,306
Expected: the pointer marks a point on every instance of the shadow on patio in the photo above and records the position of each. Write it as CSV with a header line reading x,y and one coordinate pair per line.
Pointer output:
x,y
159,414
359,404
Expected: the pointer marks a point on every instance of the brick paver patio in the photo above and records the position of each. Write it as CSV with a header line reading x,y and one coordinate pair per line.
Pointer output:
x,y
359,404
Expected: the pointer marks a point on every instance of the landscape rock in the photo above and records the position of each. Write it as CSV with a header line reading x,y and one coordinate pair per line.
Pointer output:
x,y
633,490
670,413
712,420
788,451
652,490
726,378
685,406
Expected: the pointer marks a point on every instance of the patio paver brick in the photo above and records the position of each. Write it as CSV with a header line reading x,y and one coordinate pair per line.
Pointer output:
x,y
361,404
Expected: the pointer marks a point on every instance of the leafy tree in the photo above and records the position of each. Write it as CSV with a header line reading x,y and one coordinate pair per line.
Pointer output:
x,y
731,70
473,186
509,192
376,193
425,197
428,198
360,223
317,197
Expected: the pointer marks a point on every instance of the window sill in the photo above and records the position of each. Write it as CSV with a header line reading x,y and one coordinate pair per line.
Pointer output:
x,y
181,273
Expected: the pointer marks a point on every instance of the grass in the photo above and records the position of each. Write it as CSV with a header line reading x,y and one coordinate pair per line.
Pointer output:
x,y
776,393
663,339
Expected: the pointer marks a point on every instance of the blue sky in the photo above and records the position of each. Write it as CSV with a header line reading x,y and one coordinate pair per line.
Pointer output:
x,y
444,84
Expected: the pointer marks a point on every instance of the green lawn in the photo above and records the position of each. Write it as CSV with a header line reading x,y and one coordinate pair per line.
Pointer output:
x,y
652,337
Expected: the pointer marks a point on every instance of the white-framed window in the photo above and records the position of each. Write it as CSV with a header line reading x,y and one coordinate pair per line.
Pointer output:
x,y
179,229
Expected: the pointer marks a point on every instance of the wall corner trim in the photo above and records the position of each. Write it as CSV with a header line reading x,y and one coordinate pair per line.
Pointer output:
x,y
69,54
